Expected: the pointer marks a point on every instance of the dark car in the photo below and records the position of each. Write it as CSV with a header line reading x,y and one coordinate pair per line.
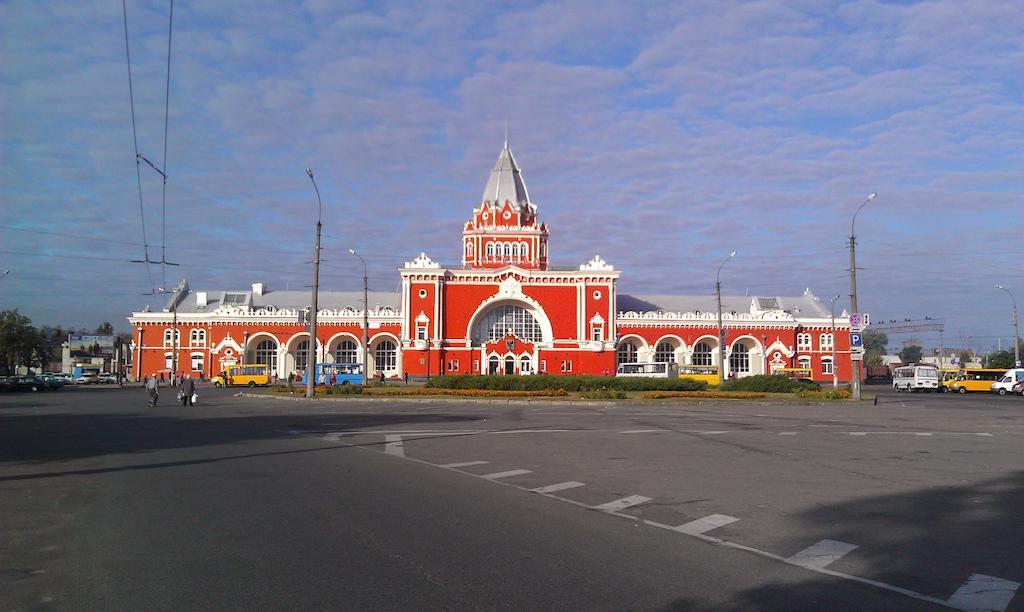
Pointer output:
x,y
25,383
809,383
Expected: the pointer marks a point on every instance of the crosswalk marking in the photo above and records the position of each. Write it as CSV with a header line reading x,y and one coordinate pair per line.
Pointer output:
x,y
622,504
982,592
561,486
822,554
507,474
393,445
463,464
702,525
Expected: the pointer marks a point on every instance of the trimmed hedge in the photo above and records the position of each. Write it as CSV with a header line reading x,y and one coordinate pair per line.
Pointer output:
x,y
603,394
569,382
398,391
768,383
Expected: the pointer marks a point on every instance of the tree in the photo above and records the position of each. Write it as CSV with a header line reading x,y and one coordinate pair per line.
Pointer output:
x,y
999,360
18,340
105,329
965,356
874,347
910,354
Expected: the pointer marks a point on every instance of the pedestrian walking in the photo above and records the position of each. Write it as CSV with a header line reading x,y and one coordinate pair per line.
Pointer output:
x,y
153,388
334,379
405,376
188,389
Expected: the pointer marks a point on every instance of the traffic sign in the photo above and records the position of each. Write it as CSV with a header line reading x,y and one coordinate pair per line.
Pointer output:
x,y
856,356
860,319
856,339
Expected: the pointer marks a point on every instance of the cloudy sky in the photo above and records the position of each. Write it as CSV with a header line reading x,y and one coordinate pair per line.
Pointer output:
x,y
661,136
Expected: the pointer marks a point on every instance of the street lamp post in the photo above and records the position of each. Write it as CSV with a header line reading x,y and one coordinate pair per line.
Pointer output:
x,y
721,344
311,359
853,290
1016,330
835,375
366,318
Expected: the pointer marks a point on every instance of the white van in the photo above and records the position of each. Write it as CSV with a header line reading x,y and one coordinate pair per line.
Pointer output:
x,y
915,378
1012,377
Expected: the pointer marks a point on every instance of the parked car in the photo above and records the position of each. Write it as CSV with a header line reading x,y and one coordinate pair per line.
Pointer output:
x,y
1018,388
809,382
107,378
25,383
67,379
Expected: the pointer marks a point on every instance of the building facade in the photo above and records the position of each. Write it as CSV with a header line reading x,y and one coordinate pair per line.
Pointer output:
x,y
502,311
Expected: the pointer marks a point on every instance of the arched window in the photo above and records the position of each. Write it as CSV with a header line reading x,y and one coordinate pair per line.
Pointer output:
x,y
346,352
739,358
492,365
803,342
302,356
469,248
172,336
665,352
508,319
510,365
515,250
524,250
266,352
385,356
202,337
508,250
524,365
490,249
626,353
702,354
825,340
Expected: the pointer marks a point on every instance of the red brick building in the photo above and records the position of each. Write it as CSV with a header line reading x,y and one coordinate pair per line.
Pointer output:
x,y
504,310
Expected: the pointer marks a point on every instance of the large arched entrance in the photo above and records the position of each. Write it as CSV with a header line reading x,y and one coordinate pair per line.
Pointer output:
x,y
507,334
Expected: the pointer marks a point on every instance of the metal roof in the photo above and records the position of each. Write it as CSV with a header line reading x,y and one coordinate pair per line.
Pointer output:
x,y
799,306
293,299
506,182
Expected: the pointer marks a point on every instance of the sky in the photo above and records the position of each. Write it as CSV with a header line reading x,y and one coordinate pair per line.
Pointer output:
x,y
661,136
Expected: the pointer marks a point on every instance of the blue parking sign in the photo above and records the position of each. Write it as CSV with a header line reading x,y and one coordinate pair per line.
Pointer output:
x,y
856,339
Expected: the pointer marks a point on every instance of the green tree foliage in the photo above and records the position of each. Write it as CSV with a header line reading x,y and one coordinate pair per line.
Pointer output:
x,y
18,340
105,329
999,359
766,382
965,357
910,354
567,382
874,347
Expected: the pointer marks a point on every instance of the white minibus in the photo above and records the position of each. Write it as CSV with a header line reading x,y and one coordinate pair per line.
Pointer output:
x,y
648,370
915,378
1008,380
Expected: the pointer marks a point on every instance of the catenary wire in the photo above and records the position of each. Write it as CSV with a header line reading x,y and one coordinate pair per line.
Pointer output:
x,y
163,194
135,143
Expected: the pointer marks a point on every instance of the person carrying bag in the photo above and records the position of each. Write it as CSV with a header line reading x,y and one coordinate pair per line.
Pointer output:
x,y
188,390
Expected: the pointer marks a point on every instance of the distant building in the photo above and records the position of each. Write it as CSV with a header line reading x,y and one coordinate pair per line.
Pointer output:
x,y
503,311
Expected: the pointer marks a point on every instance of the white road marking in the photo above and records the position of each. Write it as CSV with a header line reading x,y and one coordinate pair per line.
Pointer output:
x,y
507,474
821,555
635,431
622,504
561,486
519,431
703,525
463,464
982,592
788,433
711,433
393,445
914,433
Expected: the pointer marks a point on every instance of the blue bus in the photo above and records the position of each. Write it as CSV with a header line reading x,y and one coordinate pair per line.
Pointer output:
x,y
343,373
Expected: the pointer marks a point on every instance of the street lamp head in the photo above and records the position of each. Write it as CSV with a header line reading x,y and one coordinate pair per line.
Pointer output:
x,y
309,172
872,196
733,254
999,287
352,251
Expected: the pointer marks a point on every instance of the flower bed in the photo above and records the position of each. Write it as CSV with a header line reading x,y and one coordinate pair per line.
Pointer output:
x,y
398,391
705,394
831,394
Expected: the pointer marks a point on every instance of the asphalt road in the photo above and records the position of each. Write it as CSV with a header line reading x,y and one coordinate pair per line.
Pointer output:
x,y
244,503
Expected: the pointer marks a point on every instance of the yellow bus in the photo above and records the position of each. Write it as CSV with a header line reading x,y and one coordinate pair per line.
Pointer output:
x,y
243,374
708,374
979,379
946,379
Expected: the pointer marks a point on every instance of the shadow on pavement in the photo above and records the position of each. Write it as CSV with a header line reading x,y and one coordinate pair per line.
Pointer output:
x,y
36,438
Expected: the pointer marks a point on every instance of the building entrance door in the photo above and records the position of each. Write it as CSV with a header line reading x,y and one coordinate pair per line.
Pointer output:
x,y
510,365
492,366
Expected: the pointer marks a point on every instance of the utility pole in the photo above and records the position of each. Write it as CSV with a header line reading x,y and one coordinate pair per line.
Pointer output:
x,y
858,372
835,373
1016,329
721,343
311,359
366,317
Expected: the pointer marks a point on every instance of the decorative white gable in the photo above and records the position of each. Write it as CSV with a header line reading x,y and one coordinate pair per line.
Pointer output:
x,y
597,265
422,262
511,287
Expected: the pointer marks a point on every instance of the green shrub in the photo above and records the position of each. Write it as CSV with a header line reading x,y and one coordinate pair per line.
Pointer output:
x,y
575,383
603,394
345,390
766,383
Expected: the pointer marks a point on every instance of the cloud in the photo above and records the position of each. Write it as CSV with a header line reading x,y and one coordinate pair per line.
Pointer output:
x,y
661,137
